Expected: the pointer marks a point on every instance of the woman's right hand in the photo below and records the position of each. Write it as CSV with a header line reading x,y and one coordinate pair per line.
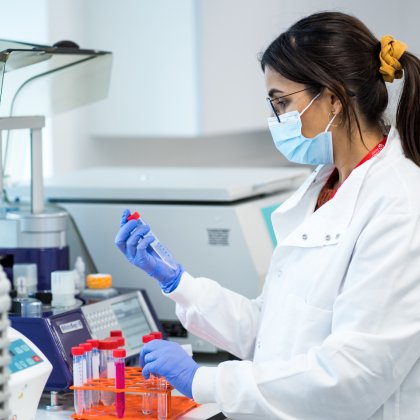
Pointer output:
x,y
133,240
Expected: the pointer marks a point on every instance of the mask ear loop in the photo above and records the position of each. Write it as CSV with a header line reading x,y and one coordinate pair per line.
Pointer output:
x,y
310,103
330,123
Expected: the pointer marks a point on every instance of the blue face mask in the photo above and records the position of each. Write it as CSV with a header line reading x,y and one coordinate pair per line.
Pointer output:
x,y
289,140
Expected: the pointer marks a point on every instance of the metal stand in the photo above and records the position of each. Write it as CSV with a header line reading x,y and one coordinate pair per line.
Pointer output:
x,y
35,124
54,404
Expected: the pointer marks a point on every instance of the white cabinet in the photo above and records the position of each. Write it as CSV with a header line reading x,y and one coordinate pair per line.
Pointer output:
x,y
181,68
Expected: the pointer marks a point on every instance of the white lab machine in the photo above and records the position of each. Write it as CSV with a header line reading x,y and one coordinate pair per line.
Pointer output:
x,y
29,372
215,222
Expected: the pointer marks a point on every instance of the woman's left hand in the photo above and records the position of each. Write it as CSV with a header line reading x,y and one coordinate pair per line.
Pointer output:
x,y
169,359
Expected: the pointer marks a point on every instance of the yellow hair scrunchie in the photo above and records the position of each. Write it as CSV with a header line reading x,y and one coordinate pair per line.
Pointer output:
x,y
391,52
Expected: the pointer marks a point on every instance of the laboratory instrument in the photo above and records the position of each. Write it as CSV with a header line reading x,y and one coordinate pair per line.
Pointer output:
x,y
29,371
130,313
4,342
56,334
214,221
38,81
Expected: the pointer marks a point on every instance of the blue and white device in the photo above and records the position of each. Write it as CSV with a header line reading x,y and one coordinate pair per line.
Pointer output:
x,y
29,371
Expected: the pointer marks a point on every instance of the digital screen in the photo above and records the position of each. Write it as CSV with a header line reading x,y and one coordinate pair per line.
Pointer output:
x,y
132,321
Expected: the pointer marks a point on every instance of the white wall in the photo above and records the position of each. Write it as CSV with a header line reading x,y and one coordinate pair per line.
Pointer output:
x,y
75,148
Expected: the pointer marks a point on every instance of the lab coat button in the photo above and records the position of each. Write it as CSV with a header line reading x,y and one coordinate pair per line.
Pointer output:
x,y
327,237
304,236
337,236
279,273
259,344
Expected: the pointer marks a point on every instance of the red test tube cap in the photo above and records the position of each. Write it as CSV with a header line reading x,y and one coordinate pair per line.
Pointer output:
x,y
119,353
119,340
95,343
107,344
77,351
148,337
86,346
115,333
157,334
133,216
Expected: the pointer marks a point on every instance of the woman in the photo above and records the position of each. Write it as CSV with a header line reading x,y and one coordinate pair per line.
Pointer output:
x,y
335,333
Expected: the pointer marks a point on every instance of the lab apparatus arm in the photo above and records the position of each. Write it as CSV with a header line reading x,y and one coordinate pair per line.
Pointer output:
x,y
374,343
224,318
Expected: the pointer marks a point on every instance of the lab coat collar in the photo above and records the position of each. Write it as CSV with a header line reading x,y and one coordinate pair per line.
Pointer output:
x,y
327,224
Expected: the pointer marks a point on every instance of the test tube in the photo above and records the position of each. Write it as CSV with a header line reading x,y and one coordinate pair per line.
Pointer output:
x,y
107,367
155,246
88,369
87,372
119,360
151,383
95,368
162,398
79,403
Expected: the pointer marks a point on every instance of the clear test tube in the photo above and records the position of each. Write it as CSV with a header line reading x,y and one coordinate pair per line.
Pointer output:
x,y
162,398
107,367
150,383
95,368
79,402
155,246
88,369
119,360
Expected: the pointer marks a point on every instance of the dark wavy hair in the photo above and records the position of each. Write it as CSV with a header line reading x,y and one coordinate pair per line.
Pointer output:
x,y
337,51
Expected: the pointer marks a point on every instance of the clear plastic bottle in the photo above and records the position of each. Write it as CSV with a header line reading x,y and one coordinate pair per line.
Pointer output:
x,y
88,372
107,367
80,268
156,246
95,368
151,383
79,402
119,360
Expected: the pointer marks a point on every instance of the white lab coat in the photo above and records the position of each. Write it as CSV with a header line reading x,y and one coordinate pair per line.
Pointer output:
x,y
335,333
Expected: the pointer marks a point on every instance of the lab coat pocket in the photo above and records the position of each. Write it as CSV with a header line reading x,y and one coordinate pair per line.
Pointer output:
x,y
306,325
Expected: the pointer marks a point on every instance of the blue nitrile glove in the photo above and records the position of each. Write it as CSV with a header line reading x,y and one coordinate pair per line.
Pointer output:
x,y
169,359
132,241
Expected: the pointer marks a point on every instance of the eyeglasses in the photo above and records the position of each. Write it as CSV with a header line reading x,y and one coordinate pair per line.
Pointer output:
x,y
270,101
